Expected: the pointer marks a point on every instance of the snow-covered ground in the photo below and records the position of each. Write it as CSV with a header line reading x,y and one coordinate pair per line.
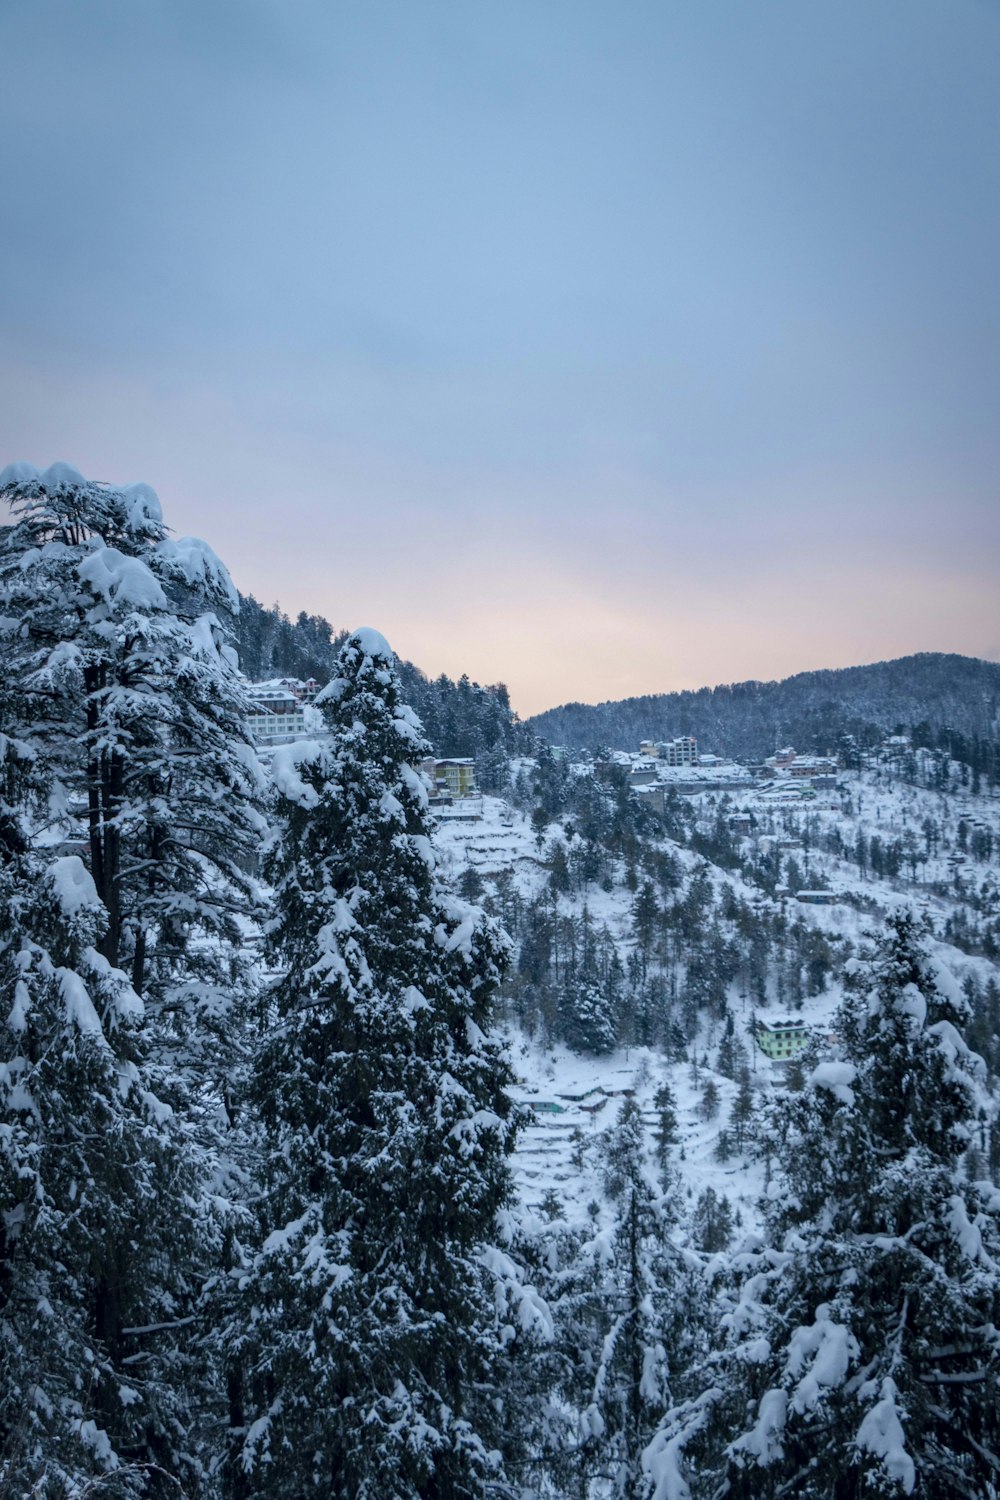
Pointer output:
x,y
571,1099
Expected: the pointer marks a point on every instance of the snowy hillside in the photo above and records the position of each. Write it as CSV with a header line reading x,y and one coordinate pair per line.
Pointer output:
x,y
943,852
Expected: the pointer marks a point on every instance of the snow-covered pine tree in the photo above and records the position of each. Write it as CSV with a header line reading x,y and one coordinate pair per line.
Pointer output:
x,y
586,1022
565,1431
371,1358
119,688
861,1355
624,1301
650,1296
665,1131
589,999
115,648
94,1185
711,1222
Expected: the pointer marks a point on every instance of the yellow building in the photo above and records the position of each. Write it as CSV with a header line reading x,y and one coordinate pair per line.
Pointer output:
x,y
458,777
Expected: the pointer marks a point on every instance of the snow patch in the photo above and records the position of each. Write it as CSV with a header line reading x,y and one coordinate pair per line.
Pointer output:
x,y
97,1440
948,986
957,1051
332,693
510,1293
121,580
343,917
17,473
913,1004
60,475
391,807
79,1006
412,1000
763,1441
194,562
881,1433
73,885
144,508
471,1126
461,939
126,1001
285,766
408,727
425,849
203,643
410,778
18,1018
21,1100
837,1077
160,1112
831,1346
662,1461
280,1239
372,643
965,1231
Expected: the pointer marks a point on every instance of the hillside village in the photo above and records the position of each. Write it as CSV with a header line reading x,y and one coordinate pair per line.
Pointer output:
x,y
792,840
798,836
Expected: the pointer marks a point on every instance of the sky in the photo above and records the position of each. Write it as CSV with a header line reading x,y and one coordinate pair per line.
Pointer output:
x,y
600,347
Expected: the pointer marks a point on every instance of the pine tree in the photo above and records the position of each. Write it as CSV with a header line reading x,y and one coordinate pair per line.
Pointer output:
x,y
709,1105
861,1356
586,1020
631,1372
99,1221
563,1439
723,1146
371,1355
589,999
122,679
119,690
712,1222
647,1295
726,1062
470,883
741,1114
665,1132
559,876
645,916
623,1299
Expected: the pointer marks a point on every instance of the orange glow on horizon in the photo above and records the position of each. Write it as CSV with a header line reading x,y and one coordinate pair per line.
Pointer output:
x,y
556,639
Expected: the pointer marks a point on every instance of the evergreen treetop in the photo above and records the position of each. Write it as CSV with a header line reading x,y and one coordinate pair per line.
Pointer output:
x,y
121,678
373,1345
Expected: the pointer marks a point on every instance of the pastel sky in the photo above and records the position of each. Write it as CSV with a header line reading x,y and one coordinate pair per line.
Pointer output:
x,y
599,346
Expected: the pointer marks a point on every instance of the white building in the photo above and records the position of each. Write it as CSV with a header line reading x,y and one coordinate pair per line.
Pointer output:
x,y
682,751
277,715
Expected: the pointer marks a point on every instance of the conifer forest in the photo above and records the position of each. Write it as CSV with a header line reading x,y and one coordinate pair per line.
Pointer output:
x,y
613,1132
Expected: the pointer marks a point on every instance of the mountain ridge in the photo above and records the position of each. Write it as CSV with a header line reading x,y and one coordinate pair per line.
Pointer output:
x,y
944,690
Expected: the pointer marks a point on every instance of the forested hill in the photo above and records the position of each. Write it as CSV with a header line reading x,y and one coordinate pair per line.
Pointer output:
x,y
459,718
810,711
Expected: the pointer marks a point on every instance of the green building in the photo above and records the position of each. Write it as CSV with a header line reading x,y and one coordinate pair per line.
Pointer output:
x,y
782,1040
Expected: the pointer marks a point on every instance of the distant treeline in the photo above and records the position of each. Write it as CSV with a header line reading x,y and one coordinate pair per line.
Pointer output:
x,y
812,711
